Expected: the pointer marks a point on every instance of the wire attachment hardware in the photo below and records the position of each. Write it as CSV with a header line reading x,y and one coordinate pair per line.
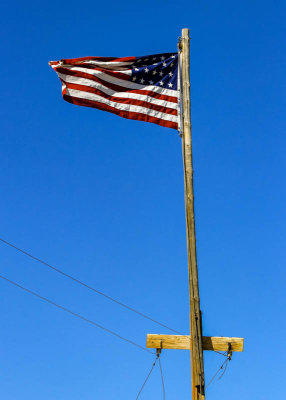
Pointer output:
x,y
159,350
229,352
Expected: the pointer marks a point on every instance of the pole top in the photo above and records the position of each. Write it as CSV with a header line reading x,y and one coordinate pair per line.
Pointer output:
x,y
185,32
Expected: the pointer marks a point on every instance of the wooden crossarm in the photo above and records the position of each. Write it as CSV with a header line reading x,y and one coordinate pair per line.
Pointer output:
x,y
182,342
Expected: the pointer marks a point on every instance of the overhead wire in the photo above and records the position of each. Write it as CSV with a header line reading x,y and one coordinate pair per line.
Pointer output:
x,y
223,372
88,286
98,326
147,377
222,367
222,354
77,315
162,379
67,310
158,353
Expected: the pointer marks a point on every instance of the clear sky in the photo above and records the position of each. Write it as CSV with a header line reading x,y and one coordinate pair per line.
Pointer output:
x,y
102,198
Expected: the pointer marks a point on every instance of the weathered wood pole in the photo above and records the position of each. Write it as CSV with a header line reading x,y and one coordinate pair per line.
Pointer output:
x,y
197,362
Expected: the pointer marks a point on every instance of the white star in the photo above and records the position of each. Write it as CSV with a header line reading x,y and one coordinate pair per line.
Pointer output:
x,y
161,73
164,64
170,73
161,83
154,72
134,78
170,84
172,64
142,80
173,56
163,58
146,70
151,82
155,64
146,59
155,58
136,69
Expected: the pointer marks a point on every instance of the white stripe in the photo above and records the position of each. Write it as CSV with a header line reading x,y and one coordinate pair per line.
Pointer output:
x,y
123,107
125,71
107,63
110,92
126,84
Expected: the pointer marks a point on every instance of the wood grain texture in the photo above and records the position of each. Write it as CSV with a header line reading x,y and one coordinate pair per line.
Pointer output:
x,y
197,361
182,342
219,343
168,342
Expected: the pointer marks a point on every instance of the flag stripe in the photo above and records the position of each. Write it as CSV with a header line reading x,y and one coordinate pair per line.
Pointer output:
x,y
159,93
118,99
106,66
119,82
122,75
121,113
98,59
127,95
134,88
119,106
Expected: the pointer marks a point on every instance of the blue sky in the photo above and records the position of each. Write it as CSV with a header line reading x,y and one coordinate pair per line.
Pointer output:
x,y
102,198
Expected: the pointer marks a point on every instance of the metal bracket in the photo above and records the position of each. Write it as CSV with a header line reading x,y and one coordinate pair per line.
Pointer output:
x,y
159,349
229,352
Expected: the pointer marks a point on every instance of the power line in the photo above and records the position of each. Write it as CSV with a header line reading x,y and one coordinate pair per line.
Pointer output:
x,y
222,354
158,353
75,314
89,287
162,379
148,376
222,367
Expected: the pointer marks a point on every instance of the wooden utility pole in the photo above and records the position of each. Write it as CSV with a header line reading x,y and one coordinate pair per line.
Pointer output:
x,y
197,361
195,342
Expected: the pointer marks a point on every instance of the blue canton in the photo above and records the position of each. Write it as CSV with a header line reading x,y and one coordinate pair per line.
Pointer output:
x,y
158,70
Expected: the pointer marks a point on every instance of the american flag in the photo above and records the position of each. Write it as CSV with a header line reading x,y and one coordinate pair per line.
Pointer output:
x,y
141,88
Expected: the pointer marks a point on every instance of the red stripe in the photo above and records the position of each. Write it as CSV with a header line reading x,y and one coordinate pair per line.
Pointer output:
x,y
124,114
115,74
116,88
171,99
102,59
123,100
